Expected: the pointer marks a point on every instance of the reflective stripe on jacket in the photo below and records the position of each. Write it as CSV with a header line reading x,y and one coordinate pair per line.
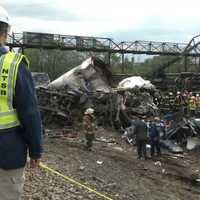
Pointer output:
x,y
9,65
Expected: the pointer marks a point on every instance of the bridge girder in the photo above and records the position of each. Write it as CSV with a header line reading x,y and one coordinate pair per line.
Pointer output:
x,y
98,44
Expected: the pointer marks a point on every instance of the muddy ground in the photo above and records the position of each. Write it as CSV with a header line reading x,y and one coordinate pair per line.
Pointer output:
x,y
113,169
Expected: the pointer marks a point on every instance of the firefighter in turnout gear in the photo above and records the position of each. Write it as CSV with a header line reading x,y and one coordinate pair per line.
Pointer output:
x,y
20,123
89,127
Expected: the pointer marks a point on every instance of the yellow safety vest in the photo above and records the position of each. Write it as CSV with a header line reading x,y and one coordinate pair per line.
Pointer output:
x,y
9,65
192,104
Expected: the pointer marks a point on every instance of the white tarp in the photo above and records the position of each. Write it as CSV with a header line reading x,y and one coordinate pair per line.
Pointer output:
x,y
86,76
135,81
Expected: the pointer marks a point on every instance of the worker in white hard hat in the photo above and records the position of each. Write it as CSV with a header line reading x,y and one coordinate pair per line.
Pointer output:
x,y
180,102
171,100
89,127
178,99
20,123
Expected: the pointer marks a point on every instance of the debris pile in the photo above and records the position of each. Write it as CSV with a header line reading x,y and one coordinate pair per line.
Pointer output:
x,y
92,75
65,99
40,79
182,135
89,85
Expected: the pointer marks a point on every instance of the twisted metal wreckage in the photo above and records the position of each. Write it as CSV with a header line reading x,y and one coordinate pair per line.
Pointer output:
x,y
63,101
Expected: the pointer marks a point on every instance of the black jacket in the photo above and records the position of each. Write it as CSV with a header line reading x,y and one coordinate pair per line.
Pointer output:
x,y
140,130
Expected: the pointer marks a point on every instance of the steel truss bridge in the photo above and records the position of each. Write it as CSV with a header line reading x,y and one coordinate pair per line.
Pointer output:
x,y
97,44
107,45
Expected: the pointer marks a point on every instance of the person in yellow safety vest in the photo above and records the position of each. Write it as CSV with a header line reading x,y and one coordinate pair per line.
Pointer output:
x,y
171,100
186,102
192,106
198,102
180,102
190,94
178,99
20,122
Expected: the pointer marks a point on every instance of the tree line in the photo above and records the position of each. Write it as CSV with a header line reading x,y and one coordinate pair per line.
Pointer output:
x,y
57,62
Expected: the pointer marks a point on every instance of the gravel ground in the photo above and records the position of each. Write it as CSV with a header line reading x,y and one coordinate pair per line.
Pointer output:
x,y
113,170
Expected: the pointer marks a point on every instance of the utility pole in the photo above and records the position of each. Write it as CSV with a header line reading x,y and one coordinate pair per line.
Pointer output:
x,y
109,59
123,66
185,63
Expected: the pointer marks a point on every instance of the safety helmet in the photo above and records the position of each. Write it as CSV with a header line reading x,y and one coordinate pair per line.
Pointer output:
x,y
170,93
197,95
178,92
4,20
157,119
89,111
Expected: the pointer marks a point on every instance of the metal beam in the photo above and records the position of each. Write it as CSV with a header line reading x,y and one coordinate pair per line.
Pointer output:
x,y
98,44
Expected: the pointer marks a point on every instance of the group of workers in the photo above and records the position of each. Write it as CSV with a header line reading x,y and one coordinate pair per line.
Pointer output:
x,y
186,102
145,130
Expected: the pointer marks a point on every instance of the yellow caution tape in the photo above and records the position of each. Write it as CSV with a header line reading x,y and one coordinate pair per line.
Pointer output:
x,y
73,181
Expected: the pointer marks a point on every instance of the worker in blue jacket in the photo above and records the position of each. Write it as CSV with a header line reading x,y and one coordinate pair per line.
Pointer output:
x,y
20,122
154,137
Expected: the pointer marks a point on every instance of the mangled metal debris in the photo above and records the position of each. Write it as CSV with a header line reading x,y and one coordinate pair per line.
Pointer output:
x,y
192,143
182,135
171,145
40,79
88,85
92,75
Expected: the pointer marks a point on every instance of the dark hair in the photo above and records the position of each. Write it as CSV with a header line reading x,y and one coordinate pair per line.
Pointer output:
x,y
4,28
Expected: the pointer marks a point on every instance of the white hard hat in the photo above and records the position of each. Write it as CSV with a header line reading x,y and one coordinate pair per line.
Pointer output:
x,y
197,95
157,119
4,18
89,111
178,92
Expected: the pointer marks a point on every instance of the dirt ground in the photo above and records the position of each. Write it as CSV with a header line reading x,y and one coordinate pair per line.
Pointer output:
x,y
113,169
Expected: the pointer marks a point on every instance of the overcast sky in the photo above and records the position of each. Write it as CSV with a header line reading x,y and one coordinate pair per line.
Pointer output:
x,y
127,20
